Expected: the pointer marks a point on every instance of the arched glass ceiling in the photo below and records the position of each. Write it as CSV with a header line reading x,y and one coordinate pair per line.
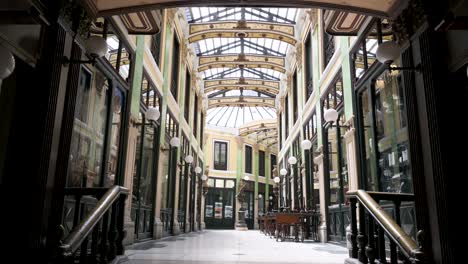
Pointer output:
x,y
238,93
229,116
208,14
236,116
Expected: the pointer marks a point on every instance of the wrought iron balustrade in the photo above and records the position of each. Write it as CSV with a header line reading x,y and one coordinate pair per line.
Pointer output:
x,y
166,216
376,226
97,231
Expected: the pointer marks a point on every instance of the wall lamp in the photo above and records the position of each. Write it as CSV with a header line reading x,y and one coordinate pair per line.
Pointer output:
x,y
331,116
7,63
95,46
388,52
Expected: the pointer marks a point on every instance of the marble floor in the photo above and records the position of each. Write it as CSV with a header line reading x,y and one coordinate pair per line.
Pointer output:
x,y
229,247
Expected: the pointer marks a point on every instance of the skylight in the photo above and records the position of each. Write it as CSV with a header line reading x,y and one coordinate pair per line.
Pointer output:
x,y
236,116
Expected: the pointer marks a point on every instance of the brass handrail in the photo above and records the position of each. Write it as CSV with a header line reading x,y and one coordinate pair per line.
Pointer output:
x,y
76,237
394,231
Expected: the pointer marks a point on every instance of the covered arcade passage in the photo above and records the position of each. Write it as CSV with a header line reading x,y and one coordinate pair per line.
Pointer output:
x,y
288,131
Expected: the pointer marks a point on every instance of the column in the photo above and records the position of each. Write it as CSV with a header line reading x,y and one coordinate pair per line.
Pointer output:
x,y
158,224
129,225
256,158
267,181
323,219
240,147
349,140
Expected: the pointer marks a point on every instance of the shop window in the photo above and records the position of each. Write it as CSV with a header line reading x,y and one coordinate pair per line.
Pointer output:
x,y
91,164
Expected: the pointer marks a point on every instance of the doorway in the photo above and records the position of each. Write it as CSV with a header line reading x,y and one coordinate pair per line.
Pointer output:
x,y
219,206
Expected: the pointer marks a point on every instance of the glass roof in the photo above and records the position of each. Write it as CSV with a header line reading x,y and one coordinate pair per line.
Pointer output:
x,y
236,116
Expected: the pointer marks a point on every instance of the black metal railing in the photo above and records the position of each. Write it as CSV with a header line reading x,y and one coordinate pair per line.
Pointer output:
x,y
166,216
376,226
96,234
181,220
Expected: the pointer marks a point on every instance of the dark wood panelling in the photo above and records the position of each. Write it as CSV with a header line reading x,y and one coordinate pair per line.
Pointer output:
x,y
430,99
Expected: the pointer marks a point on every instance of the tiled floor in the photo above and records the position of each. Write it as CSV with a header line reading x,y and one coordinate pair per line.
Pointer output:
x,y
230,246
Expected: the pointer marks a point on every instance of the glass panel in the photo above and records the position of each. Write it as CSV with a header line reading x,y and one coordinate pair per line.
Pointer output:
x,y
117,111
229,203
147,166
136,168
371,169
219,183
164,180
87,141
261,203
371,46
113,44
124,63
333,165
392,134
230,183
344,161
211,182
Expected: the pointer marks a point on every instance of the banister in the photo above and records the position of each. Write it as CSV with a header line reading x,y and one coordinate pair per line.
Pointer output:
x,y
76,237
394,231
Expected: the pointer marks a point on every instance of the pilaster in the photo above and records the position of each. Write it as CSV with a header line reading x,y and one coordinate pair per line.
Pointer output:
x,y
321,176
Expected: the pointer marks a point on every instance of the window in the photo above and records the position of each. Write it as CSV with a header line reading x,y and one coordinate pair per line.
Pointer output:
x,y
82,96
202,125
261,165
286,116
308,67
295,97
175,68
220,155
248,159
172,127
188,81
364,53
149,95
195,117
272,165
118,55
280,132
328,46
156,47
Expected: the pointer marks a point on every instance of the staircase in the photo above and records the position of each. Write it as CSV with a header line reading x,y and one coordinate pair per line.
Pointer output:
x,y
374,233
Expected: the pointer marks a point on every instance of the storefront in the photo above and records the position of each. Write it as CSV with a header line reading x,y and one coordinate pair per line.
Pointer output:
x,y
146,162
220,204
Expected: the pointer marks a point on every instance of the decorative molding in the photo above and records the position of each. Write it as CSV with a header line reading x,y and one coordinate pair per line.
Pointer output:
x,y
409,21
299,50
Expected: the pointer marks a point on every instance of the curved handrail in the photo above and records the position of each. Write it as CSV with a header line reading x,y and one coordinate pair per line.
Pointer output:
x,y
394,231
76,237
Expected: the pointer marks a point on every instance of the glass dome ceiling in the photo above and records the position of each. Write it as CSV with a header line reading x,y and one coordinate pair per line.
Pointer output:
x,y
236,116
248,49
